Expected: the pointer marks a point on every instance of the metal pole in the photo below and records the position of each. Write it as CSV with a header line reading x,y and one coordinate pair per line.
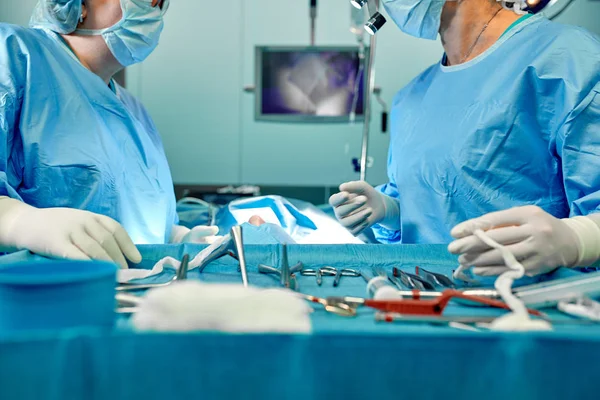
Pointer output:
x,y
370,79
313,20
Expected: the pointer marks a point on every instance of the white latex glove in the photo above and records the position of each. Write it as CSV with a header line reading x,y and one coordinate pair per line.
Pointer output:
x,y
359,206
200,234
64,233
538,240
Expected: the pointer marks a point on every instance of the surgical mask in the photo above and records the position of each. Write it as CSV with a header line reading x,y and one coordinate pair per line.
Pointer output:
x,y
418,18
135,36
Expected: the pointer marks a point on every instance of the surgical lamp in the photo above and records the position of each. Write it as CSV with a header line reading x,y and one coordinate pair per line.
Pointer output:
x,y
358,3
376,22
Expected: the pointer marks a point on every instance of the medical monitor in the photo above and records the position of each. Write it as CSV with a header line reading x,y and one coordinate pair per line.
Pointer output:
x,y
310,84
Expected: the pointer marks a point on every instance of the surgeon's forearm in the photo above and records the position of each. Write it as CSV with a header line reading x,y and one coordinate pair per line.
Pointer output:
x,y
587,230
10,210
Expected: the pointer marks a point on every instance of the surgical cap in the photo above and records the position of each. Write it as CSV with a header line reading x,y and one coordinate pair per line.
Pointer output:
x,y
59,16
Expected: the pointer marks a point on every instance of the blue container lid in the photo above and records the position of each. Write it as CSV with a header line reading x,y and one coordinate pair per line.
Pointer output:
x,y
55,272
56,294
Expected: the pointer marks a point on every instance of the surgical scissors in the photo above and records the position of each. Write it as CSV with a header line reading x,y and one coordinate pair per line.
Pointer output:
x,y
127,303
342,309
337,273
180,275
435,278
413,281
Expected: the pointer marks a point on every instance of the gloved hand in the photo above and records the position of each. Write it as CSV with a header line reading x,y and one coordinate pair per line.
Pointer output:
x,y
539,241
359,206
199,234
64,233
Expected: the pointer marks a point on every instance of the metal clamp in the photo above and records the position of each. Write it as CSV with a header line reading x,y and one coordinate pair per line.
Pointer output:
x,y
337,273
286,274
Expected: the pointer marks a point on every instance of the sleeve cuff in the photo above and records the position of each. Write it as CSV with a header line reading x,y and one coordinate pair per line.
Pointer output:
x,y
587,230
391,219
385,235
178,233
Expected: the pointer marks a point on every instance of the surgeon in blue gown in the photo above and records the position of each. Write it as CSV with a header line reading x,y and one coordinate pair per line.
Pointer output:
x,y
503,133
83,173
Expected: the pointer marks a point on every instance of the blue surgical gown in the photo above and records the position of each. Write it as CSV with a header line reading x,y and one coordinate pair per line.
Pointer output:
x,y
518,125
68,140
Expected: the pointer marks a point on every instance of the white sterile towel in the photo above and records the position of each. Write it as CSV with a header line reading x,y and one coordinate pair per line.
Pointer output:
x,y
194,306
127,275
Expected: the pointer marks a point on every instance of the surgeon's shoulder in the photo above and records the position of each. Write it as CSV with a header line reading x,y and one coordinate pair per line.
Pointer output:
x,y
20,46
571,40
9,30
18,38
414,87
17,45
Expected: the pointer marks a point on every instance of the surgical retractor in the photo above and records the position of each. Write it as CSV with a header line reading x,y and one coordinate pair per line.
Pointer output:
x,y
238,242
232,246
287,276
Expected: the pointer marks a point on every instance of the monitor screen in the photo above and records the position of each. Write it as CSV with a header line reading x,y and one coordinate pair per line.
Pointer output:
x,y
309,84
